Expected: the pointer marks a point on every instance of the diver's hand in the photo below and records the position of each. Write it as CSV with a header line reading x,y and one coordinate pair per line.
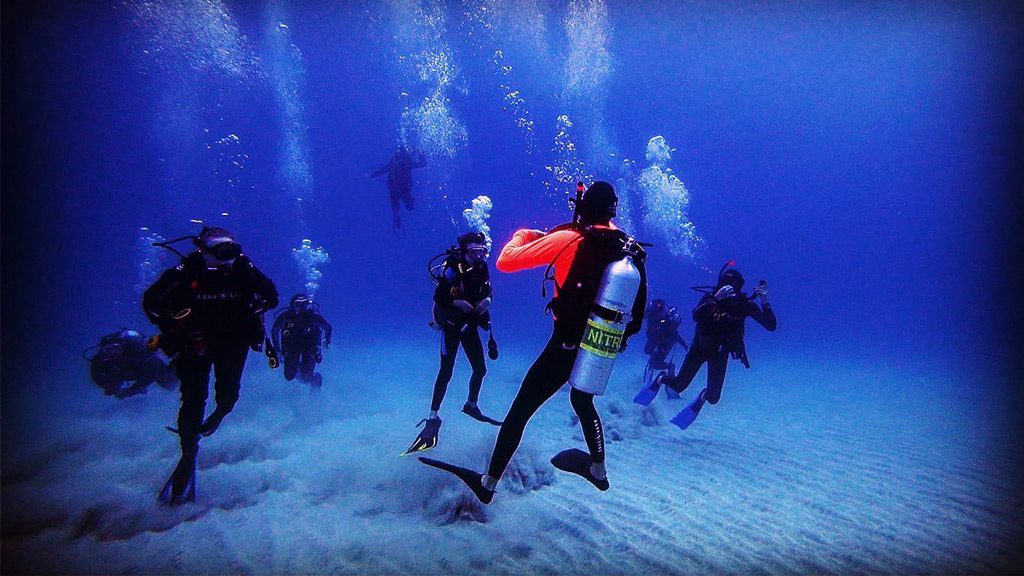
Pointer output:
x,y
327,344
464,306
724,292
761,290
482,306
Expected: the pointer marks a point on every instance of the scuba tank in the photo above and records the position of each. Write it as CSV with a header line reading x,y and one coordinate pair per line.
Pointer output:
x,y
606,324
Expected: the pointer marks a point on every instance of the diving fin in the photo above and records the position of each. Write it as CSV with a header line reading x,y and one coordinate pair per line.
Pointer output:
x,y
576,461
687,415
671,394
647,394
470,478
474,412
427,438
180,487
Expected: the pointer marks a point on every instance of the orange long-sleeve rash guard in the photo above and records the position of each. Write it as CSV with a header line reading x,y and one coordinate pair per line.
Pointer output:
x,y
533,249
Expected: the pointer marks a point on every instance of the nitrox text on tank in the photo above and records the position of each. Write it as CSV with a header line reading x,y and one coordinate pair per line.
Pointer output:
x,y
606,324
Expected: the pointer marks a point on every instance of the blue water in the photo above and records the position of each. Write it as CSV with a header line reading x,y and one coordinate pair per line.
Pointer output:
x,y
858,157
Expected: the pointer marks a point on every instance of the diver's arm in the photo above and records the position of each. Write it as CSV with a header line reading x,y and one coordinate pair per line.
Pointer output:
x,y
325,326
532,249
443,292
156,300
681,340
266,292
384,169
275,332
705,310
764,315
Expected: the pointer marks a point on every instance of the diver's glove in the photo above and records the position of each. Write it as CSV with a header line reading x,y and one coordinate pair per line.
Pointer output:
x,y
464,306
724,292
492,348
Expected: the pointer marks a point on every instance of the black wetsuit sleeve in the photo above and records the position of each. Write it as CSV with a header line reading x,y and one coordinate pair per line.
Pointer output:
x,y
680,339
443,291
383,169
325,326
156,301
264,289
764,316
485,278
705,310
640,302
275,331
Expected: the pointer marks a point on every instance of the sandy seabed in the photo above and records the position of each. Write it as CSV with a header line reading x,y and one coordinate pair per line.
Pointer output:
x,y
803,467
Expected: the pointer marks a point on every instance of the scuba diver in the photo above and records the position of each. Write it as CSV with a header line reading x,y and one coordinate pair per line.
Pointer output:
x,y
124,366
720,316
399,170
585,256
462,300
209,310
662,335
303,329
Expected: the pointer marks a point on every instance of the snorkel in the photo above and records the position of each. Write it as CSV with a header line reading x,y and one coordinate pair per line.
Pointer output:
x,y
710,290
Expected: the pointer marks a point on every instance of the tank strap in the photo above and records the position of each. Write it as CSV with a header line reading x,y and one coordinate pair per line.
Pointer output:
x,y
608,314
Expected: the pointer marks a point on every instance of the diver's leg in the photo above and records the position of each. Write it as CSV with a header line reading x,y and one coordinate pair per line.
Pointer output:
x,y
449,348
395,194
307,364
194,375
407,197
590,422
291,365
691,364
658,357
548,373
227,369
717,366
474,350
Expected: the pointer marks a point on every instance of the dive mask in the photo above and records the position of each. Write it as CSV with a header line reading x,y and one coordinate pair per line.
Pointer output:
x,y
476,252
225,251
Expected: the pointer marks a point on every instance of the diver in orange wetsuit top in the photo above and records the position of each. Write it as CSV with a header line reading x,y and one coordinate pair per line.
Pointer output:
x,y
579,254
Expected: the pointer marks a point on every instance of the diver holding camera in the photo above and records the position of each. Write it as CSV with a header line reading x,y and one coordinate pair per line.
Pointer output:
x,y
720,316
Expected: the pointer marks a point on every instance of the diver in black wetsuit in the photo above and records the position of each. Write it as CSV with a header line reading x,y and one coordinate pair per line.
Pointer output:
x,y
662,335
462,302
399,170
720,318
209,310
124,357
579,253
297,333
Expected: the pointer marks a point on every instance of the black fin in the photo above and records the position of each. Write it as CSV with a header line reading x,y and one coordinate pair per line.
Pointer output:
x,y
576,461
471,478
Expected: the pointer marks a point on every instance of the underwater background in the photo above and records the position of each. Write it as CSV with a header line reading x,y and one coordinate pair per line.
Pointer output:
x,y
861,157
